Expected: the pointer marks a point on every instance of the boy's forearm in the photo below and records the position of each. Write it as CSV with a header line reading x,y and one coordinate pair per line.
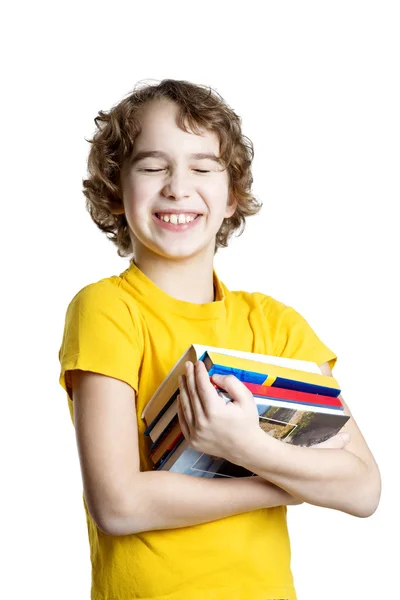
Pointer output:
x,y
331,478
165,500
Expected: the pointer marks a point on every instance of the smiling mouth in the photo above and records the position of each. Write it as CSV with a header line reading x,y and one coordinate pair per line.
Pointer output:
x,y
177,219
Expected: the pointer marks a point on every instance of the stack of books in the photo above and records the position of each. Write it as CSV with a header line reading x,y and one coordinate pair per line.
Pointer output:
x,y
296,404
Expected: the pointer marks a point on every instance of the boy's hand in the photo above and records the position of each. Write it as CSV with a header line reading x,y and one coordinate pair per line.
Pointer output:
x,y
208,423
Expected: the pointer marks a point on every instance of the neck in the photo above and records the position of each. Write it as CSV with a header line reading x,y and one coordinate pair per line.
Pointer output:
x,y
190,280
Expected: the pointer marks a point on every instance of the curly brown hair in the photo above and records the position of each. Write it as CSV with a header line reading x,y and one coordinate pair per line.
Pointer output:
x,y
199,106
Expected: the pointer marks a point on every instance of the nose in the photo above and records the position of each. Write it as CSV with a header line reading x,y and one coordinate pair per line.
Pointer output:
x,y
178,185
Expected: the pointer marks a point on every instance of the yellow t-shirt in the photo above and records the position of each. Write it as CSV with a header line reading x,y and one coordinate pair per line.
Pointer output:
x,y
128,328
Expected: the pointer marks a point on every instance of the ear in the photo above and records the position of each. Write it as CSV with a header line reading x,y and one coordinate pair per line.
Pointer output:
x,y
230,206
117,209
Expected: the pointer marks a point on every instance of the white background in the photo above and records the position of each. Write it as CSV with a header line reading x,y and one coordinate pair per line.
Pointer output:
x,y
317,87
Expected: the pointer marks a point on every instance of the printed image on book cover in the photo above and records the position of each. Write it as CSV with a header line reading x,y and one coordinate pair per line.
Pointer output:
x,y
302,428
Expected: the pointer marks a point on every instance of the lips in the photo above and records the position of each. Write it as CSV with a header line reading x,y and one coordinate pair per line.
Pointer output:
x,y
175,225
176,212
176,218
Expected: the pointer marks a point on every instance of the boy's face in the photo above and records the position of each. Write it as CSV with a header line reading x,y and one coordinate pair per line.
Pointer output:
x,y
174,182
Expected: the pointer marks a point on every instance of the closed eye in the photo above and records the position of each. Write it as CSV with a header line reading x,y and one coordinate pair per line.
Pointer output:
x,y
158,170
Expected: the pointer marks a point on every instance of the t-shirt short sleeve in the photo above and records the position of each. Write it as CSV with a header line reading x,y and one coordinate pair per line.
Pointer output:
x,y
295,338
102,334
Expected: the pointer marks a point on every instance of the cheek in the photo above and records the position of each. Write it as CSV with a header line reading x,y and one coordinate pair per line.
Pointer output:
x,y
218,196
139,188
138,194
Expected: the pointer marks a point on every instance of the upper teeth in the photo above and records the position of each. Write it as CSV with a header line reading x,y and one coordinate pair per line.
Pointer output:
x,y
174,218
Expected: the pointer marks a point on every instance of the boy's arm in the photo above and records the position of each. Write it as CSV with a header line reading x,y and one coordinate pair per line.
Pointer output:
x,y
344,479
121,499
165,500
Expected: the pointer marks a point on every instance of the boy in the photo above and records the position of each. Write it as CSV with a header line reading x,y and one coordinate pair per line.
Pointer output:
x,y
169,182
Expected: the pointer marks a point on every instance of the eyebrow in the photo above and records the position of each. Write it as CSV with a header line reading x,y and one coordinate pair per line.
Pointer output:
x,y
158,154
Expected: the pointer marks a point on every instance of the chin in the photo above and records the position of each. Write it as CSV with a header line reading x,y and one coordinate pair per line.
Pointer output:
x,y
174,250
181,252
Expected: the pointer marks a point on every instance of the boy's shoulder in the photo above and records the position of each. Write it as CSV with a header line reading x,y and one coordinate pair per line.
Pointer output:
x,y
266,311
106,292
258,300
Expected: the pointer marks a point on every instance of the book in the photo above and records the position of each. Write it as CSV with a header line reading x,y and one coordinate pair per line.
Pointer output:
x,y
320,400
293,423
165,392
296,404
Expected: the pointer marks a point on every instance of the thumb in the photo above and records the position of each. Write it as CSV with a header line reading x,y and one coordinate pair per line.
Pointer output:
x,y
234,387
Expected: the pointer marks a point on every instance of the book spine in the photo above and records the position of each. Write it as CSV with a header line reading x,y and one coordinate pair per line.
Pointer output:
x,y
169,451
164,434
162,411
160,450
164,421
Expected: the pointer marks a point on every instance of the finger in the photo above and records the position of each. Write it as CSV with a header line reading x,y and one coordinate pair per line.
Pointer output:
x,y
185,403
206,390
182,420
338,441
194,398
234,387
346,437
327,444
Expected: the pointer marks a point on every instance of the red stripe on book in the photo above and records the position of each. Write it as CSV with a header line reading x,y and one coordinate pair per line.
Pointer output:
x,y
284,394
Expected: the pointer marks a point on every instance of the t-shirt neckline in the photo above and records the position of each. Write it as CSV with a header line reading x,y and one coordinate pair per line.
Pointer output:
x,y
151,294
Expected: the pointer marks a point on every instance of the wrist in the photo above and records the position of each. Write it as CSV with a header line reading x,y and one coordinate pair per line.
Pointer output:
x,y
257,448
